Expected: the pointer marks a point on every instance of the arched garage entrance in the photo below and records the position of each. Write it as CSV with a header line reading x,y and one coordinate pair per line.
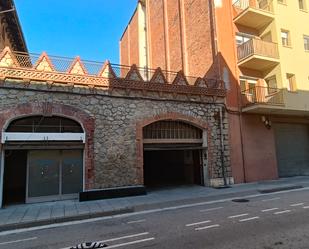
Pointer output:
x,y
43,159
173,154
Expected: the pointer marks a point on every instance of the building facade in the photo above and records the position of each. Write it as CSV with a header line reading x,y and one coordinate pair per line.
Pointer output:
x,y
259,49
11,34
69,126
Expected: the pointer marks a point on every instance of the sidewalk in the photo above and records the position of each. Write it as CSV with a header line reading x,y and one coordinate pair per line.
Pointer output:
x,y
28,215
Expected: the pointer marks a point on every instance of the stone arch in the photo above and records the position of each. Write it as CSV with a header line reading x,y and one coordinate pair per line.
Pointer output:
x,y
49,109
174,116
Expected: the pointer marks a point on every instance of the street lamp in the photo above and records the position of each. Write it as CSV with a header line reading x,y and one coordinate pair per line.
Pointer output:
x,y
5,11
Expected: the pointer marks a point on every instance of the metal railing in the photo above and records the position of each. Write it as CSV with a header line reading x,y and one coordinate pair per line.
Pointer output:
x,y
265,5
262,95
257,47
93,68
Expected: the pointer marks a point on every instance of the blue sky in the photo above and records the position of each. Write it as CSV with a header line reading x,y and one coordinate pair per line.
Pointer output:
x,y
88,28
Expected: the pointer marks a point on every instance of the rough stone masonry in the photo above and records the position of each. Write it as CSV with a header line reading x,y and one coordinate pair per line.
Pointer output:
x,y
113,152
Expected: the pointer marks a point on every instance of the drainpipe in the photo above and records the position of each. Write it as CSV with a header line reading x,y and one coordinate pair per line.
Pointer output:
x,y
222,148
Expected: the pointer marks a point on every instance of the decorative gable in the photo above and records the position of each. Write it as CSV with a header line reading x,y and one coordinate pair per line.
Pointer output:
x,y
107,71
7,59
134,74
180,79
158,77
44,63
77,67
200,82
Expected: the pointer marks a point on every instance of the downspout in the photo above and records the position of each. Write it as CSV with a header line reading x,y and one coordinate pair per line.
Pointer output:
x,y
1,175
222,148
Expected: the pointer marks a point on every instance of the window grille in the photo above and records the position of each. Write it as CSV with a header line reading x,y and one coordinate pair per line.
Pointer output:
x,y
171,130
41,124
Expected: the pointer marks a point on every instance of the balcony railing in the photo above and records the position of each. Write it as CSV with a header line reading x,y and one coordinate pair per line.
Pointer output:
x,y
262,95
256,4
257,47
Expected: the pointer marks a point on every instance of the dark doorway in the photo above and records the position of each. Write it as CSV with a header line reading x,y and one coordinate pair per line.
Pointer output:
x,y
15,175
172,167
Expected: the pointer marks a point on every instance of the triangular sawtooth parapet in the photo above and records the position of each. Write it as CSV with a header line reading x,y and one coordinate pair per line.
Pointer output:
x,y
158,77
180,79
200,82
44,63
77,67
134,74
7,58
107,71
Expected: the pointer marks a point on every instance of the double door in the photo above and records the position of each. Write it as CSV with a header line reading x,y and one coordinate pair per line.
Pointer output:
x,y
54,175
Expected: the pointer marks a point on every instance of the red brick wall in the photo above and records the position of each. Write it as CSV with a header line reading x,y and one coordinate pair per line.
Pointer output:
x,y
124,48
134,42
197,31
174,35
156,33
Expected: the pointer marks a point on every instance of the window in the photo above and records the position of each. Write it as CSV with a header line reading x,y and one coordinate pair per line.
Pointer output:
x,y
291,82
306,42
302,4
271,83
241,39
285,38
248,86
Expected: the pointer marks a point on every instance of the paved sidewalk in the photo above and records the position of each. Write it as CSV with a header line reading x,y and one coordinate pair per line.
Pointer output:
x,y
27,215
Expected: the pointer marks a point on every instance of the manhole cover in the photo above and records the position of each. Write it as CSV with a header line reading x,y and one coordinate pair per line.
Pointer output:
x,y
240,200
89,245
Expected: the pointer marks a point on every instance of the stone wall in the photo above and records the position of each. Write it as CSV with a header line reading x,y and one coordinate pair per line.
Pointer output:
x,y
116,117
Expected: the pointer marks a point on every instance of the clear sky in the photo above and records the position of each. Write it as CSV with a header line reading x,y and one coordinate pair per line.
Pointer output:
x,y
88,28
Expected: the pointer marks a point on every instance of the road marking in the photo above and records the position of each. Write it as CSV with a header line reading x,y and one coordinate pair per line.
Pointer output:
x,y
297,204
210,209
198,223
306,207
136,221
272,199
151,211
238,215
208,227
248,219
131,242
17,241
118,238
269,209
283,212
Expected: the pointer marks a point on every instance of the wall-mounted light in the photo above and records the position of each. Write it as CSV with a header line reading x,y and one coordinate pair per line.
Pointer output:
x,y
266,122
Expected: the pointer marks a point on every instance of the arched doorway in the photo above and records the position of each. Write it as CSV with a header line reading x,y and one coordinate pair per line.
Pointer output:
x,y
173,154
43,159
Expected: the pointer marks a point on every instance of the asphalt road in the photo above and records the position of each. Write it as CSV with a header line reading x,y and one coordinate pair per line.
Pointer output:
x,y
272,221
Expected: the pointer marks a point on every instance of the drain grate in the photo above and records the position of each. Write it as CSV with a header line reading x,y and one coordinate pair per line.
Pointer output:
x,y
240,200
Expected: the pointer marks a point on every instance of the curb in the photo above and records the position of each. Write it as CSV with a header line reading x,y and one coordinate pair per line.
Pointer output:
x,y
279,189
22,225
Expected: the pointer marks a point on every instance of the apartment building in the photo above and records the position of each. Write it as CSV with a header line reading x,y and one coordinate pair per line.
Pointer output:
x,y
259,49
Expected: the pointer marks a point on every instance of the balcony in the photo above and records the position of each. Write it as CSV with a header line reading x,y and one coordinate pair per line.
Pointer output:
x,y
258,55
262,100
255,14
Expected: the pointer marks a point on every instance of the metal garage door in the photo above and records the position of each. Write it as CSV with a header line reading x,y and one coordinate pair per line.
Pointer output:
x,y
292,145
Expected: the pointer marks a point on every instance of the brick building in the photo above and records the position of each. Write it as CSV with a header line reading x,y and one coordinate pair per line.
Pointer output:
x,y
69,126
257,51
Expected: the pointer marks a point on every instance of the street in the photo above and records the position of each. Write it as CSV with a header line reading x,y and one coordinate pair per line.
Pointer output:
x,y
278,220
